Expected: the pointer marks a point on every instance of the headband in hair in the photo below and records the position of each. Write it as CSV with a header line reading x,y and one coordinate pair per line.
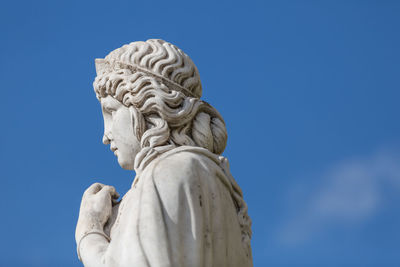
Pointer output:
x,y
103,65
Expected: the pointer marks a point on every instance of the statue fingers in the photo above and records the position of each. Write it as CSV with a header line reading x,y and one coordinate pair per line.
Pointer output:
x,y
108,191
94,188
111,190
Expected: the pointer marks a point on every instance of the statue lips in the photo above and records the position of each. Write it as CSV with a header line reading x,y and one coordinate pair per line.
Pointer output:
x,y
113,149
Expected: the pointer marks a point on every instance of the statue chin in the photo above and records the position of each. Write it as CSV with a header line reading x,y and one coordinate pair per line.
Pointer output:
x,y
126,164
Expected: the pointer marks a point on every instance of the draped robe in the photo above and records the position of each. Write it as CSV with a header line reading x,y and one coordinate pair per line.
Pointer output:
x,y
179,213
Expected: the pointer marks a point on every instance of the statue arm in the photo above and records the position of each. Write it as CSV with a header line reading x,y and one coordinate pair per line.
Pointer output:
x,y
92,250
96,210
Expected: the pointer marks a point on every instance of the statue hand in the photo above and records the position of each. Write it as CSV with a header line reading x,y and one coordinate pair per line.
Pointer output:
x,y
96,207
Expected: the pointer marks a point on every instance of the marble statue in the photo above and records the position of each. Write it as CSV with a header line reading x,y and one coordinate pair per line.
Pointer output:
x,y
184,208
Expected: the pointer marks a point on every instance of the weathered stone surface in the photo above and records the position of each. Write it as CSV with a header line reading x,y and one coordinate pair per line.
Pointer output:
x,y
184,207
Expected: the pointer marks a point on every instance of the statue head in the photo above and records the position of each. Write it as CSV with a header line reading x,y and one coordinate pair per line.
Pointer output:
x,y
150,97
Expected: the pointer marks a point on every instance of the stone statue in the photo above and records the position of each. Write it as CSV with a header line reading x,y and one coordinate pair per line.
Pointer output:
x,y
184,208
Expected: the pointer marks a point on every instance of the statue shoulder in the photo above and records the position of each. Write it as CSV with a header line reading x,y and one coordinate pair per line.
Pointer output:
x,y
183,167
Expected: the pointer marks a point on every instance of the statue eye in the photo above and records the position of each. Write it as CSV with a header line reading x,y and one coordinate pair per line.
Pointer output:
x,y
109,109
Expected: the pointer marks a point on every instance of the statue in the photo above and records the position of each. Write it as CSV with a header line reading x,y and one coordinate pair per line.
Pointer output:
x,y
184,207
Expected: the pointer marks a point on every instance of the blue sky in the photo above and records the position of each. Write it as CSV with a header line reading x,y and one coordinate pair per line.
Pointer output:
x,y
309,91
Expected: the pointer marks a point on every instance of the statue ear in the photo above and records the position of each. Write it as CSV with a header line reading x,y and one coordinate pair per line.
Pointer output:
x,y
100,64
138,122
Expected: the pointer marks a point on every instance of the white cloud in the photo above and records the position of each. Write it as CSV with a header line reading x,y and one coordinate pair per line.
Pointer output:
x,y
349,193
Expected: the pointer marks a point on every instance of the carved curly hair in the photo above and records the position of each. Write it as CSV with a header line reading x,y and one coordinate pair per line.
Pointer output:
x,y
161,86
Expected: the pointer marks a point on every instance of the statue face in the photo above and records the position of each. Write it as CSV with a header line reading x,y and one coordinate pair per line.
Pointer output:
x,y
119,132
